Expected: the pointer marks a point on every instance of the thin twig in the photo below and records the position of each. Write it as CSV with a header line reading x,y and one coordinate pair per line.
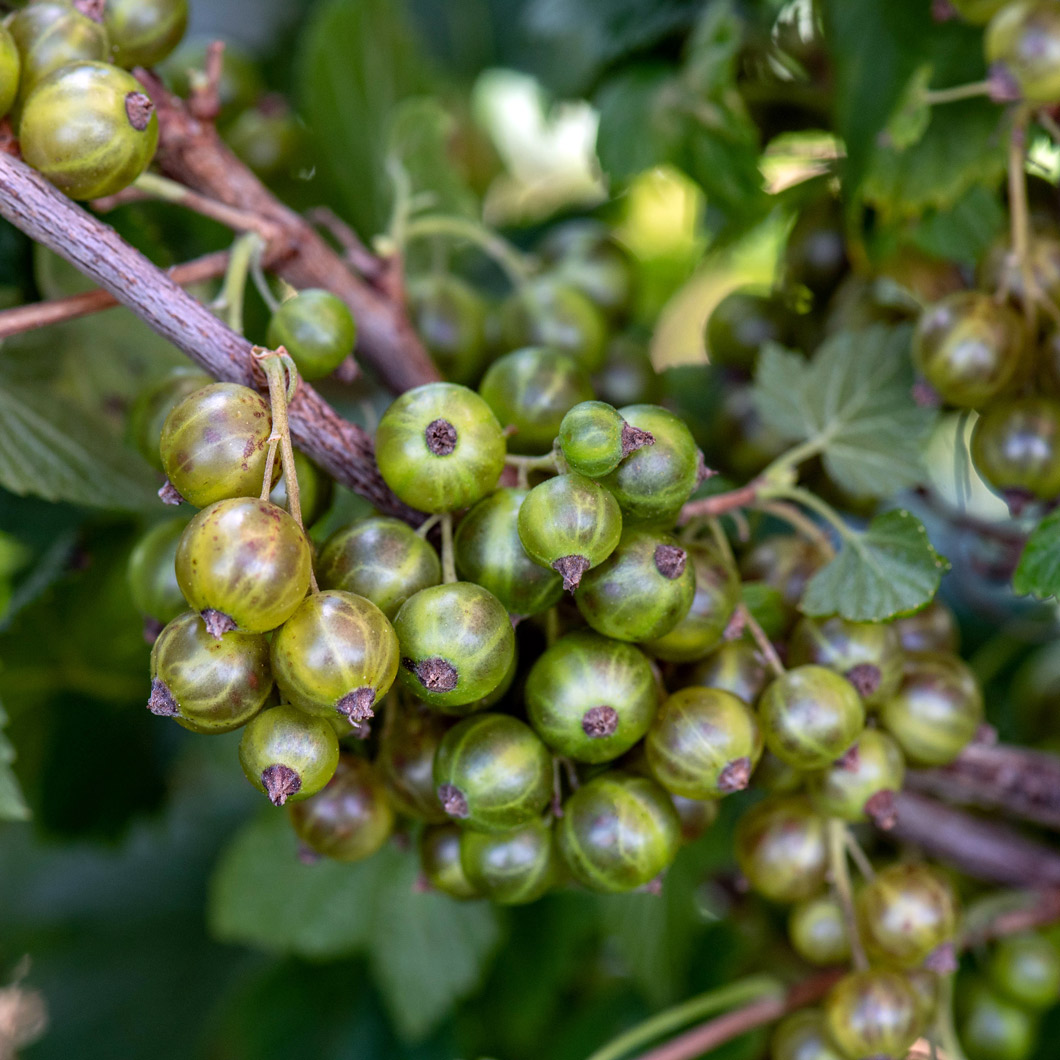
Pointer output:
x,y
719,504
765,646
844,889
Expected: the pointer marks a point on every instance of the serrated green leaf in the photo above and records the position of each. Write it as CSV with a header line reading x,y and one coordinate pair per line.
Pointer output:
x,y
889,569
12,804
780,381
1038,571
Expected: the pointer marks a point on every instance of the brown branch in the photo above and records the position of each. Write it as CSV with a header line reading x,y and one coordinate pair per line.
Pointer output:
x,y
32,205
719,504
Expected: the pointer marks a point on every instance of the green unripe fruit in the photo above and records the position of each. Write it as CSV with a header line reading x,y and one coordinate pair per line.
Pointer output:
x,y
10,70
585,255
89,129
994,1029
872,1014
154,403
811,716
978,12
925,987
457,645
144,32
696,816
931,629
439,849
492,773
214,444
315,490
781,848
337,653
450,317
861,786
803,1036
618,832
785,563
1016,447
439,447
641,591
815,255
268,138
317,330
704,743
381,559
735,667
741,324
652,483
1025,969
936,710
208,685
350,819
244,564
1023,40
591,698
152,577
595,439
817,930
288,754
513,867
570,524
50,34
489,552
627,375
410,738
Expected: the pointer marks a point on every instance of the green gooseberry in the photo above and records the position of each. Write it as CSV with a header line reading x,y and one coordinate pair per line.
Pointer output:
x,y
627,375
450,317
316,328
513,867
735,667
803,1036
818,932
1023,41
144,32
741,324
1016,447
268,138
931,629
595,439
584,254
781,848
861,786
785,563
154,403
992,1028
872,1013
407,746
10,70
315,490
815,255
152,575
1025,969
439,850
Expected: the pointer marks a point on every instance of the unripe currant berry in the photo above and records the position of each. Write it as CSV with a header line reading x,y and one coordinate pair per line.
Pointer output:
x,y
815,256
810,717
89,129
315,490
410,738
1016,447
208,685
872,1013
381,559
457,645
818,932
803,1036
735,667
591,698
439,447
288,754
741,324
10,70
931,629
144,32
244,564
695,815
316,328
350,819
152,577
585,255
785,563
781,848
268,138
154,403
1025,969
570,524
992,1028
1023,42
861,786
492,773
618,832
450,317
439,849
704,743
337,653
595,438
641,591
512,867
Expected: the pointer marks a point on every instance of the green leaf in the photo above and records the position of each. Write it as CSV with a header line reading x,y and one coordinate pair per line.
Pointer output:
x,y
889,569
853,403
964,231
911,118
767,607
1038,571
12,805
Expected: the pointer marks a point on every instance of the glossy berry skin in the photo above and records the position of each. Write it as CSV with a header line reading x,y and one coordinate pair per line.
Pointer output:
x,y
703,744
1025,970
785,563
556,315
316,328
268,138
815,255
530,391
810,717
701,630
969,348
450,317
89,129
570,524
208,685
492,773
144,32
315,489
936,711
817,930
336,653
992,1028
905,913
489,552
10,70
803,1036
350,819
695,815
456,643
405,758
931,629
1023,39
868,654
513,867
214,444
152,577
741,324
627,375
652,483
439,850
735,667
589,697
584,255
861,786
618,832
641,591
288,754
50,34
781,848
595,439
872,1013
1016,446
381,559
245,560
154,403
439,447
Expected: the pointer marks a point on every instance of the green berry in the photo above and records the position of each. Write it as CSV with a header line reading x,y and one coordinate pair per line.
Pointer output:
x,y
512,867
551,313
595,439
1023,42
450,317
861,786
152,576
1016,447
992,1028
1025,969
781,848
439,849
144,32
735,667
10,70
317,330
50,34
817,930
268,138
872,1013
411,735
978,12
931,629
741,324
585,255
803,1036
154,403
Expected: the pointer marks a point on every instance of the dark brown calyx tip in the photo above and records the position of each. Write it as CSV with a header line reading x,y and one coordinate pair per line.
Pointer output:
x,y
850,759
702,471
735,776
1004,88
942,959
599,721
571,569
217,623
882,809
670,561
357,705
169,494
280,783
736,625
865,677
633,438
92,9
139,108
307,855
653,887
441,437
161,701
1018,500
152,628
453,801
436,675
985,736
